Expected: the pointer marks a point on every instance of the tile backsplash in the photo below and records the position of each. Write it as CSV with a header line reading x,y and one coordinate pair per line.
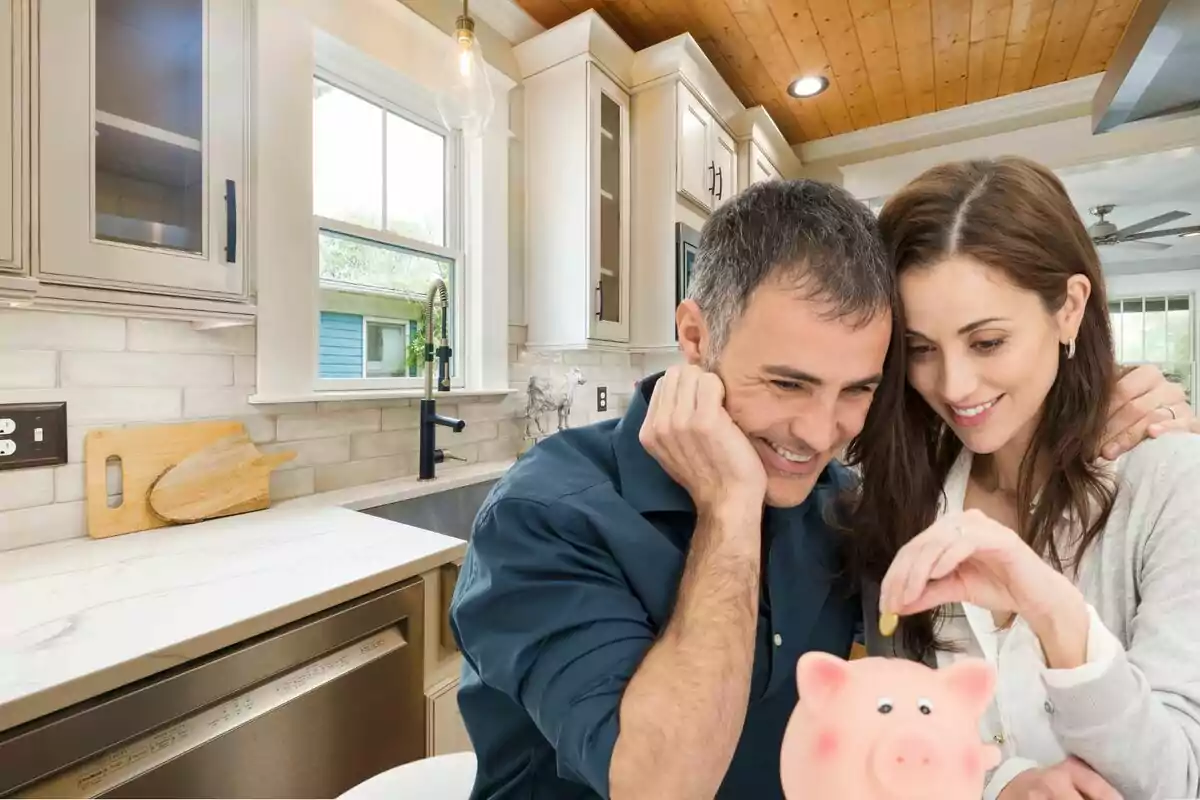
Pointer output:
x,y
117,371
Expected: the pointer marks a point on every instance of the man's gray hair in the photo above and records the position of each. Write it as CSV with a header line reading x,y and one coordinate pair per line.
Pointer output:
x,y
813,235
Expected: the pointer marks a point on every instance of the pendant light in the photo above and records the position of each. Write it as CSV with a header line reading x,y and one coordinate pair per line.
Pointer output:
x,y
465,101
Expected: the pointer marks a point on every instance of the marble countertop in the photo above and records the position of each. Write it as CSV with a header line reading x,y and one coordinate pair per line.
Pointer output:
x,y
85,616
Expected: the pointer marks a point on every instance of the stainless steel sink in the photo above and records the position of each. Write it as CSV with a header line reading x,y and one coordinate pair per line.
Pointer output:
x,y
450,513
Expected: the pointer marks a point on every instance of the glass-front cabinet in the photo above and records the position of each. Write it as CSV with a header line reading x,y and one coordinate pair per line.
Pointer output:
x,y
609,133
141,126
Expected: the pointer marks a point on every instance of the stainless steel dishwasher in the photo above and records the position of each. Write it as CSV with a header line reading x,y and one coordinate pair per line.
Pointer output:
x,y
307,710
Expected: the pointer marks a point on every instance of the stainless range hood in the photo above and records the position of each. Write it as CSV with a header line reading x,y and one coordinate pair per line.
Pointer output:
x,y
1155,71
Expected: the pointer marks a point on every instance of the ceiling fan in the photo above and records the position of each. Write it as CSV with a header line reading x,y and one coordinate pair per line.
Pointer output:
x,y
1105,233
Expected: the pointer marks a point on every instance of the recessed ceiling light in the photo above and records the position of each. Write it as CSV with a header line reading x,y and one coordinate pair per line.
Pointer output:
x,y
808,86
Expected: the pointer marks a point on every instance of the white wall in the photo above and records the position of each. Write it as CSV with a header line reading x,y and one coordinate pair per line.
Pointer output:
x,y
1147,283
516,207
1067,143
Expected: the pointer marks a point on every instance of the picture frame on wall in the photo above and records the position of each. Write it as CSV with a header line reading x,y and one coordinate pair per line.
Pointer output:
x,y
687,246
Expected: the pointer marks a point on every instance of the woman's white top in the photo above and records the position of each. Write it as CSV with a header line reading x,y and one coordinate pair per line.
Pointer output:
x,y
1132,711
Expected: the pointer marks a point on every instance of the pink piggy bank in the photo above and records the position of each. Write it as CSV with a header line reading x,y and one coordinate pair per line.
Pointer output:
x,y
887,729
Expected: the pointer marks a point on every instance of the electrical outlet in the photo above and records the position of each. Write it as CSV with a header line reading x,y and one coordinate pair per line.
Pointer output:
x,y
33,435
602,398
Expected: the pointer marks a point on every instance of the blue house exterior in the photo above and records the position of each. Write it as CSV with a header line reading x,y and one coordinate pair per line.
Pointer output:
x,y
342,351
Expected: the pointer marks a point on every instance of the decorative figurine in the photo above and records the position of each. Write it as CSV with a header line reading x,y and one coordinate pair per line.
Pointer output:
x,y
541,400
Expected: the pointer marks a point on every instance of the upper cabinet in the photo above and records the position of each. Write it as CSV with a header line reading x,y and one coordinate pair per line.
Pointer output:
x,y
763,153
707,169
141,165
608,159
13,142
602,268
577,136
758,165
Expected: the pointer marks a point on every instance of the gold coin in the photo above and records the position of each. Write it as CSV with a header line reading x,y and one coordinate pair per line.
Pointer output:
x,y
888,623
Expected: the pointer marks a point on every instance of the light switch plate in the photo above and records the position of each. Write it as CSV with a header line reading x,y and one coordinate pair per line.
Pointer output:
x,y
38,435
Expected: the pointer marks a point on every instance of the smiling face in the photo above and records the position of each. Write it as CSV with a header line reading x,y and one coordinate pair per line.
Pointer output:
x,y
982,352
798,381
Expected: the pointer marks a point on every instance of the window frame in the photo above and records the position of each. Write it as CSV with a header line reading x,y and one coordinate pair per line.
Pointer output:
x,y
1166,297
392,93
354,40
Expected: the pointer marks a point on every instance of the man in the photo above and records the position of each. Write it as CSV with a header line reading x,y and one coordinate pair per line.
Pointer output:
x,y
637,593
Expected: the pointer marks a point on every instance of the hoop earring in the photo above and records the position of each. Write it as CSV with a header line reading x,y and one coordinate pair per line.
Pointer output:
x,y
1070,349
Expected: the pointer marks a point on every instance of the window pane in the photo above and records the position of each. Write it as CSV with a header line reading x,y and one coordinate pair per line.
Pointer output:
x,y
387,349
1179,330
347,157
610,209
1155,341
1114,319
372,307
1131,331
416,181
149,123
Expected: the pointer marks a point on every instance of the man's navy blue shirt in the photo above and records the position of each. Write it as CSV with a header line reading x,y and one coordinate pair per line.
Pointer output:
x,y
571,575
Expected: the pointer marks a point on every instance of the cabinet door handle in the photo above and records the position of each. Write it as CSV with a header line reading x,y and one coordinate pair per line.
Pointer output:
x,y
721,190
712,169
599,302
230,221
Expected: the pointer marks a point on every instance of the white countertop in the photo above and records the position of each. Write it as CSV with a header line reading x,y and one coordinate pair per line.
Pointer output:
x,y
85,616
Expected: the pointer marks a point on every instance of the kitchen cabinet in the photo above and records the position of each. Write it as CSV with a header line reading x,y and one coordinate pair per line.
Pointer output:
x,y
13,142
758,167
446,732
763,152
141,127
578,200
687,166
707,169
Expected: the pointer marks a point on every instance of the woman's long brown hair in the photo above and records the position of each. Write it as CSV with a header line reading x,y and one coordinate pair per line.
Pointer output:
x,y
1015,216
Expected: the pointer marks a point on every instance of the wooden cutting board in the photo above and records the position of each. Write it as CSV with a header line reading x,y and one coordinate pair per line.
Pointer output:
x,y
144,454
230,476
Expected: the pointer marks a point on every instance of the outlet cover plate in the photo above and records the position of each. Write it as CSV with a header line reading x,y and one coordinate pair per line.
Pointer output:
x,y
602,398
39,434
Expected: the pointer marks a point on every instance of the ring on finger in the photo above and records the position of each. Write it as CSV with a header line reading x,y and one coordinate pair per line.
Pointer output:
x,y
1171,411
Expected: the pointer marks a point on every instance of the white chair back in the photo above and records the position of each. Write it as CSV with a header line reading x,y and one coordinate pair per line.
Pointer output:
x,y
446,777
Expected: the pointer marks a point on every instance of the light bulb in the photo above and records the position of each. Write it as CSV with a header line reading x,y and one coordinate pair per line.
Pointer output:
x,y
464,58
808,86
465,100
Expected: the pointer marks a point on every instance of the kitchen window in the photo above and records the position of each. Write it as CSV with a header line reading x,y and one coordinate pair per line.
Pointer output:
x,y
385,206
360,198
1159,331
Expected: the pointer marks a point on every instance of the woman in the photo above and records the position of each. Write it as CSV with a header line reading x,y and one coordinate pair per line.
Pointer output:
x,y
997,529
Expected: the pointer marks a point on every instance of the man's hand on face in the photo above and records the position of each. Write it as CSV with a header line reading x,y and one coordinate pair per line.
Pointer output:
x,y
689,433
1145,405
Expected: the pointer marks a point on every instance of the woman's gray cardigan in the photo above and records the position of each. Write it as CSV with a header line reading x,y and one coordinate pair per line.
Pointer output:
x,y
1138,724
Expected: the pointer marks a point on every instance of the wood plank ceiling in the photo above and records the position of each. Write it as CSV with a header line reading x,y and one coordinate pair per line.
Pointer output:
x,y
886,60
